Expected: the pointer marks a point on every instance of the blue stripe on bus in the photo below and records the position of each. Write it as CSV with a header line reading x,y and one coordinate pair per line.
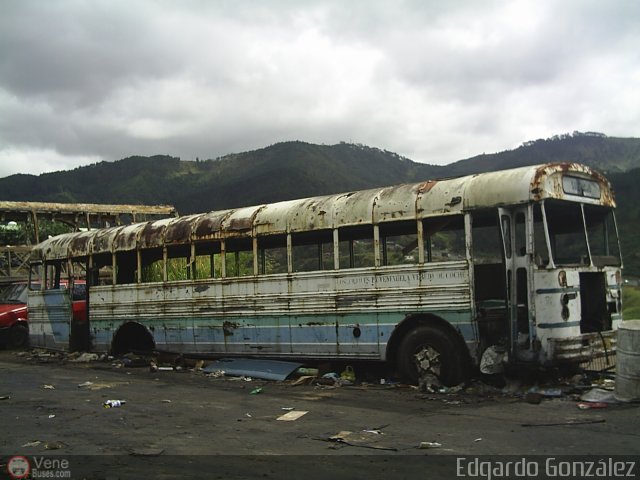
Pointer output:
x,y
559,324
558,290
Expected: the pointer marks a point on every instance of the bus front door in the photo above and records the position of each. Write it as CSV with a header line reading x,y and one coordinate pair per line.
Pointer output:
x,y
518,247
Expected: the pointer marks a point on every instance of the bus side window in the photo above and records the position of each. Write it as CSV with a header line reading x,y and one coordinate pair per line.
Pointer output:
x,y
272,254
152,265
208,263
239,257
312,251
178,262
103,266
399,243
444,238
126,266
356,247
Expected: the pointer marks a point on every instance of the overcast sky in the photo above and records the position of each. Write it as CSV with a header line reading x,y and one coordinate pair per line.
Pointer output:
x,y
433,80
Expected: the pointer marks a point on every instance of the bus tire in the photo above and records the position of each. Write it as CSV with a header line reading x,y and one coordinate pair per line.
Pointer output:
x,y
19,336
438,349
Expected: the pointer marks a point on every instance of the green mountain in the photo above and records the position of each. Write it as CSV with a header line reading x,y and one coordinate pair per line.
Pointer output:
x,y
607,154
280,172
296,169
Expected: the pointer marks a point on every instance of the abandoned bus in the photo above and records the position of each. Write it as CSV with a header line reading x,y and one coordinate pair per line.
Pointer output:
x,y
524,261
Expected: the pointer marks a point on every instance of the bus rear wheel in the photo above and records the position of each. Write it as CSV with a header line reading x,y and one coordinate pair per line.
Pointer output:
x,y
430,350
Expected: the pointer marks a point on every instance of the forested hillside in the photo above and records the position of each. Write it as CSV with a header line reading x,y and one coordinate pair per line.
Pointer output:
x,y
296,169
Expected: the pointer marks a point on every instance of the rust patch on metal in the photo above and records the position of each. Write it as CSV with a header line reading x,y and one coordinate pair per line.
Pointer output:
x,y
179,229
606,196
426,186
210,224
228,327
151,235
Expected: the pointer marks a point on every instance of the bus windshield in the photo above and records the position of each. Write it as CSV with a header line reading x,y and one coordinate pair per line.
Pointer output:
x,y
569,237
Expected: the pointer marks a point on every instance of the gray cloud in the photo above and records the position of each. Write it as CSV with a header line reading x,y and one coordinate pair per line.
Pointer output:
x,y
435,81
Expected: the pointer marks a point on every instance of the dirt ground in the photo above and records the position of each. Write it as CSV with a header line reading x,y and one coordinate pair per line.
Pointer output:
x,y
185,424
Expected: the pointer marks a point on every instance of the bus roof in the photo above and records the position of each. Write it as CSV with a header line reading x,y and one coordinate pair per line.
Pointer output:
x,y
377,206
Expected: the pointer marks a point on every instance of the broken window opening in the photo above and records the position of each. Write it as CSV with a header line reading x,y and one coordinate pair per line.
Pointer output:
x,y
312,251
399,243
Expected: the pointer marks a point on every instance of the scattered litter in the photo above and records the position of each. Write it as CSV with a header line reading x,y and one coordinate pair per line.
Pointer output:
x,y
134,361
360,439
113,403
590,405
34,443
424,445
147,452
551,392
48,387
287,408
5,397
85,358
493,360
599,395
348,374
52,416
313,372
54,445
165,401
215,373
304,380
166,369
478,440
85,384
256,391
248,415
292,416
375,432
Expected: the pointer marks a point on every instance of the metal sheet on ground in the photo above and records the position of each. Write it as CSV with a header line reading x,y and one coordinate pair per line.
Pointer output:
x,y
254,367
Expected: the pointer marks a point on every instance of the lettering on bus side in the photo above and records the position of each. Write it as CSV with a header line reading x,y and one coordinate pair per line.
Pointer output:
x,y
400,278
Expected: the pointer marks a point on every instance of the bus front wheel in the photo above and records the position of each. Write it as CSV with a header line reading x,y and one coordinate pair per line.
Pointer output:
x,y
428,349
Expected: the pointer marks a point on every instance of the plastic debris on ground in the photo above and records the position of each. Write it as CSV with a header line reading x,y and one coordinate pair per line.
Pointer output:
x,y
599,395
493,360
113,403
292,415
590,405
361,439
424,445
257,368
84,358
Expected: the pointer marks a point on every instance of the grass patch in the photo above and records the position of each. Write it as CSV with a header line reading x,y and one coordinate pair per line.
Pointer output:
x,y
630,302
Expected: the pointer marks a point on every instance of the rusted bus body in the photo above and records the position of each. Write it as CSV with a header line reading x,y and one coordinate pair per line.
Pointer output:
x,y
386,273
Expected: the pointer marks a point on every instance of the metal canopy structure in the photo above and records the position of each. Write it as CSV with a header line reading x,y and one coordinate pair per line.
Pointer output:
x,y
22,225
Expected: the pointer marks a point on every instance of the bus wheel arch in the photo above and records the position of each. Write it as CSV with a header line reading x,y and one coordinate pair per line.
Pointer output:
x,y
132,337
438,343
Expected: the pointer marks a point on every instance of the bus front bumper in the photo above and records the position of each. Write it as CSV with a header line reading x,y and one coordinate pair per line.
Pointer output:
x,y
582,348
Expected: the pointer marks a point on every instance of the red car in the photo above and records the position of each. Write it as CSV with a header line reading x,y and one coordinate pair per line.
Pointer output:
x,y
14,315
